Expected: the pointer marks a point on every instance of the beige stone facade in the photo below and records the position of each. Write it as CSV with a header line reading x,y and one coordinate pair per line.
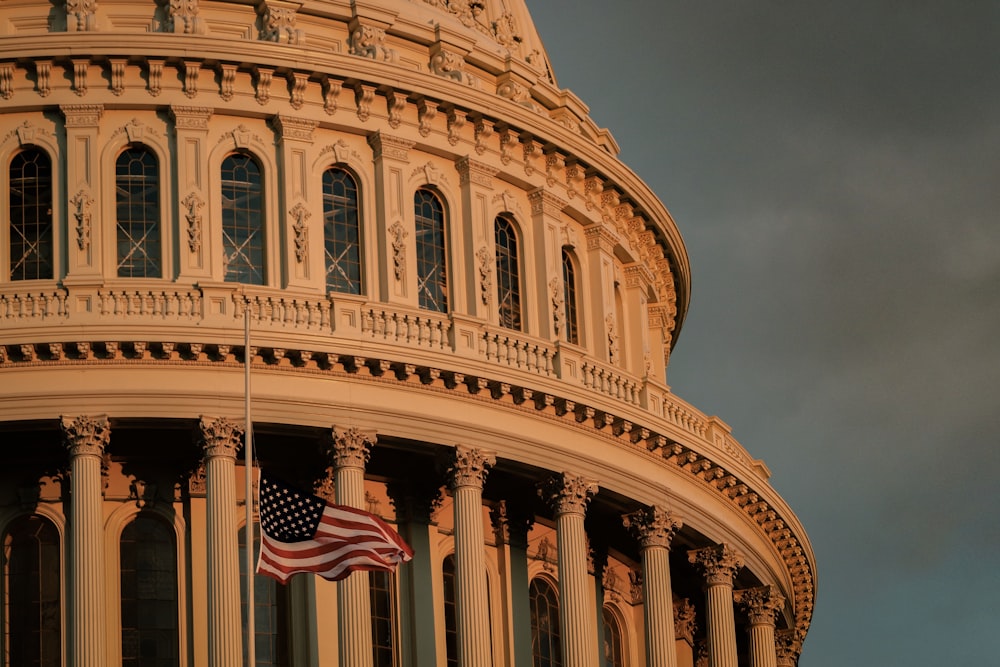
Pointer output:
x,y
443,259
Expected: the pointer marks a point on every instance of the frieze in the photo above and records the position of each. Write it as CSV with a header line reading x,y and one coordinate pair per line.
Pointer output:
x,y
544,202
82,115
289,127
473,171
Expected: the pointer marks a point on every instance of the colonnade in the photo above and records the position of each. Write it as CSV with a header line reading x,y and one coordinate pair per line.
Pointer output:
x,y
87,437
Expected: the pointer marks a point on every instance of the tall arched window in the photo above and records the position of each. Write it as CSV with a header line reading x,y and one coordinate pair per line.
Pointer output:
x,y
270,610
242,220
508,274
32,600
545,648
569,298
450,612
149,593
31,215
380,584
341,233
432,272
137,211
614,649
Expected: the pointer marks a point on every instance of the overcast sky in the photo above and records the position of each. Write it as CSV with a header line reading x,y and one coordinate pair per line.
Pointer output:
x,y
834,168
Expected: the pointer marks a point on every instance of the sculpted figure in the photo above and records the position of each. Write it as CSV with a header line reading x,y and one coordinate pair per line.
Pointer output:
x,y
369,42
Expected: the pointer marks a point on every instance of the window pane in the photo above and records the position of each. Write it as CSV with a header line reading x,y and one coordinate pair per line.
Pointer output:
x,y
341,232
149,593
383,624
614,655
33,634
31,216
545,646
432,279
242,220
508,276
569,298
137,199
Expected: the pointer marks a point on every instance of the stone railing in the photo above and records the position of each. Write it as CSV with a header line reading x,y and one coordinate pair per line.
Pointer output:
x,y
43,304
282,310
394,326
505,347
610,382
154,302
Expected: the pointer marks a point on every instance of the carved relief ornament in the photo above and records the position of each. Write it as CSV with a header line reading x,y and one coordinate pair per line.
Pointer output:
x,y
469,467
653,526
86,435
82,203
762,604
220,436
718,563
568,493
350,447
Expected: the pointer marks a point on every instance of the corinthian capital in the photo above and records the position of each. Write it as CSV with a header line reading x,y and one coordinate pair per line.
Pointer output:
x,y
220,436
762,604
350,447
719,563
86,435
469,467
653,526
568,493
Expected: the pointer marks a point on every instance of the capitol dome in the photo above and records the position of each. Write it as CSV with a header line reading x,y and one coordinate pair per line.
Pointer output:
x,y
461,309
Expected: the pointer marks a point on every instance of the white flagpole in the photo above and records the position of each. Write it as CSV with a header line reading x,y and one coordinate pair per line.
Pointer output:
x,y
248,492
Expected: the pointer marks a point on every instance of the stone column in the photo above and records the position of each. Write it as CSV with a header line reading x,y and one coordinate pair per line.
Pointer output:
x,y
349,451
719,564
568,496
86,439
466,477
221,438
655,529
762,605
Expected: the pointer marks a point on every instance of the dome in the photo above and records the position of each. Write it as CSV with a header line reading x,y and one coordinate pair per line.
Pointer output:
x,y
460,307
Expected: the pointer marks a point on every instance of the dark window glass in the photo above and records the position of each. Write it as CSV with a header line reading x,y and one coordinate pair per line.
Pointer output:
x,y
614,655
31,216
383,626
270,611
242,220
32,602
545,647
341,233
508,276
137,209
569,298
450,612
432,277
149,594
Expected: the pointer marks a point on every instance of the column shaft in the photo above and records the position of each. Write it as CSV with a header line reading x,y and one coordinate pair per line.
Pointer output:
x,y
762,652
721,626
762,605
658,608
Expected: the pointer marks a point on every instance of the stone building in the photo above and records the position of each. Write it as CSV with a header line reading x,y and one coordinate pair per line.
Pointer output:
x,y
462,307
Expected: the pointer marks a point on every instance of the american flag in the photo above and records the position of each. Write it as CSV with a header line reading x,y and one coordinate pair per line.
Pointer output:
x,y
301,532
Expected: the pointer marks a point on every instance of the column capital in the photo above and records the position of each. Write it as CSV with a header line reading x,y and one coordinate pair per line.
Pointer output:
x,y
220,437
719,563
762,604
469,467
86,435
653,526
685,621
568,493
787,646
350,447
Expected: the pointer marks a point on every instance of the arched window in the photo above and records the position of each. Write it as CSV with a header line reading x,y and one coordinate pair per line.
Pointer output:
x,y
270,610
242,220
508,274
137,211
380,584
614,650
32,598
450,612
545,648
341,233
569,298
149,593
31,215
432,272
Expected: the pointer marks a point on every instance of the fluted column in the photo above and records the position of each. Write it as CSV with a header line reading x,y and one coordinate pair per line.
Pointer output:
x,y
86,438
568,495
762,605
719,565
221,439
655,528
466,477
349,451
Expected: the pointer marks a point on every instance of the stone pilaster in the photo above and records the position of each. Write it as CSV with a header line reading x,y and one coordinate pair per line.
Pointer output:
x,y
221,439
655,528
511,523
719,565
86,439
349,451
466,477
762,606
85,245
568,496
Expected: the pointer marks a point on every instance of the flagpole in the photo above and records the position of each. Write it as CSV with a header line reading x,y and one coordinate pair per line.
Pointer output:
x,y
248,491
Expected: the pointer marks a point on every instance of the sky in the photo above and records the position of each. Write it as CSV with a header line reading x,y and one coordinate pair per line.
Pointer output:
x,y
834,169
